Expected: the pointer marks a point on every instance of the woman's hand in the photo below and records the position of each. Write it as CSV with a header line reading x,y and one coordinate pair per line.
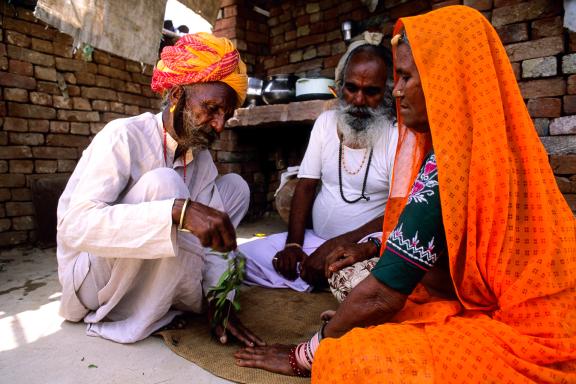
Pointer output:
x,y
273,358
233,326
348,254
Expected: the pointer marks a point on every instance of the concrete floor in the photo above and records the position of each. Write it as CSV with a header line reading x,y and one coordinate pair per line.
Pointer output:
x,y
38,346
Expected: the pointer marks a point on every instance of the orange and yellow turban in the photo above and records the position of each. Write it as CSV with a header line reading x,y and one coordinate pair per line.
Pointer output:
x,y
200,58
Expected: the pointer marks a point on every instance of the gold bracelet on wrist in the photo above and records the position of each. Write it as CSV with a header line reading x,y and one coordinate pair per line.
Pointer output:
x,y
182,214
288,245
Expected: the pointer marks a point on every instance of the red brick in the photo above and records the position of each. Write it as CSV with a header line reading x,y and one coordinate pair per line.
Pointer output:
x,y
13,238
15,152
16,25
19,209
42,46
446,4
21,166
31,111
99,93
409,9
113,72
133,88
16,94
545,107
62,49
100,105
20,68
69,78
52,153
552,26
117,62
23,54
62,102
17,138
132,110
481,5
59,126
572,41
80,128
12,180
3,138
15,125
127,98
141,79
120,85
40,98
102,81
570,105
5,194
16,81
132,66
100,57
310,40
563,164
78,116
81,104
48,87
38,125
109,116
513,33
96,127
66,165
548,46
542,88
117,107
18,39
23,223
530,10
21,194
46,166
73,90
45,73
72,65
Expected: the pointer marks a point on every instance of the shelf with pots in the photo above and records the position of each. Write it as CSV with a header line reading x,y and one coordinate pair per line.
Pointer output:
x,y
279,92
302,112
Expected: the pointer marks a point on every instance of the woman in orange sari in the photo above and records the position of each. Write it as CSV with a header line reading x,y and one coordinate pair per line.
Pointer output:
x,y
504,237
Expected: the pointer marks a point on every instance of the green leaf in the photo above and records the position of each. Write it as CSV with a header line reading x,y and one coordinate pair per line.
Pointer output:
x,y
92,366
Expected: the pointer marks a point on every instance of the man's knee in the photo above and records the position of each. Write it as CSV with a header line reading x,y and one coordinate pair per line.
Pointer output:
x,y
235,195
158,184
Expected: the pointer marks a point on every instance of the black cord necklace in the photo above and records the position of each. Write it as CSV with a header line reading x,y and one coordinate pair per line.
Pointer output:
x,y
362,195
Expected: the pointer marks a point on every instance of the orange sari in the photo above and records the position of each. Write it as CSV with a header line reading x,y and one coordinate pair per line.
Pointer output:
x,y
510,234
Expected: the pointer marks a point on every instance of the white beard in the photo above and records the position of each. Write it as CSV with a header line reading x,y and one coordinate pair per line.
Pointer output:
x,y
361,132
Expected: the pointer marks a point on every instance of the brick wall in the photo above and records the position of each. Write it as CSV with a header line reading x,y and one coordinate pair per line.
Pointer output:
x,y
305,39
51,105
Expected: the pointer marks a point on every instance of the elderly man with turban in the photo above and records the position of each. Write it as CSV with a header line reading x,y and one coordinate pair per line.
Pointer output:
x,y
144,210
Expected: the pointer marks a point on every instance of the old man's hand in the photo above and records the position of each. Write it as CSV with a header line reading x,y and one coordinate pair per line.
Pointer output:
x,y
232,326
212,227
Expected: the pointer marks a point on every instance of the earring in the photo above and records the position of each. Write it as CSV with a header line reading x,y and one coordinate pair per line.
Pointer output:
x,y
397,94
172,108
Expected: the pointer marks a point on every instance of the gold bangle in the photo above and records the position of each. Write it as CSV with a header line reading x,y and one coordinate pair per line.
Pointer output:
x,y
182,214
292,245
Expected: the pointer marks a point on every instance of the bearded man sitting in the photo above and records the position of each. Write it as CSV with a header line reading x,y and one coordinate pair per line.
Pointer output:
x,y
145,200
349,157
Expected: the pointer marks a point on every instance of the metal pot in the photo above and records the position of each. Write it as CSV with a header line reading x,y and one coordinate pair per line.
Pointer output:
x,y
279,89
317,88
254,92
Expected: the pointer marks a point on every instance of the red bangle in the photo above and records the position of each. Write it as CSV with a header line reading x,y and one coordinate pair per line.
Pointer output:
x,y
294,365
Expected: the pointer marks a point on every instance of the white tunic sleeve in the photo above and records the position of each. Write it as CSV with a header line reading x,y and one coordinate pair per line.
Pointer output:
x,y
91,220
311,166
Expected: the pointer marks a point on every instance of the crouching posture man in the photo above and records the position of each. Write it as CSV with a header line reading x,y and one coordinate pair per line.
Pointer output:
x,y
145,200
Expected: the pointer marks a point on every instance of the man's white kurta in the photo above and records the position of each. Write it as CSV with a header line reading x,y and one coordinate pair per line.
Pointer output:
x,y
124,238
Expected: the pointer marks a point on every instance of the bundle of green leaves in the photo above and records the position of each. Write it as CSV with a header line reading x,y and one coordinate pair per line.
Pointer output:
x,y
230,281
